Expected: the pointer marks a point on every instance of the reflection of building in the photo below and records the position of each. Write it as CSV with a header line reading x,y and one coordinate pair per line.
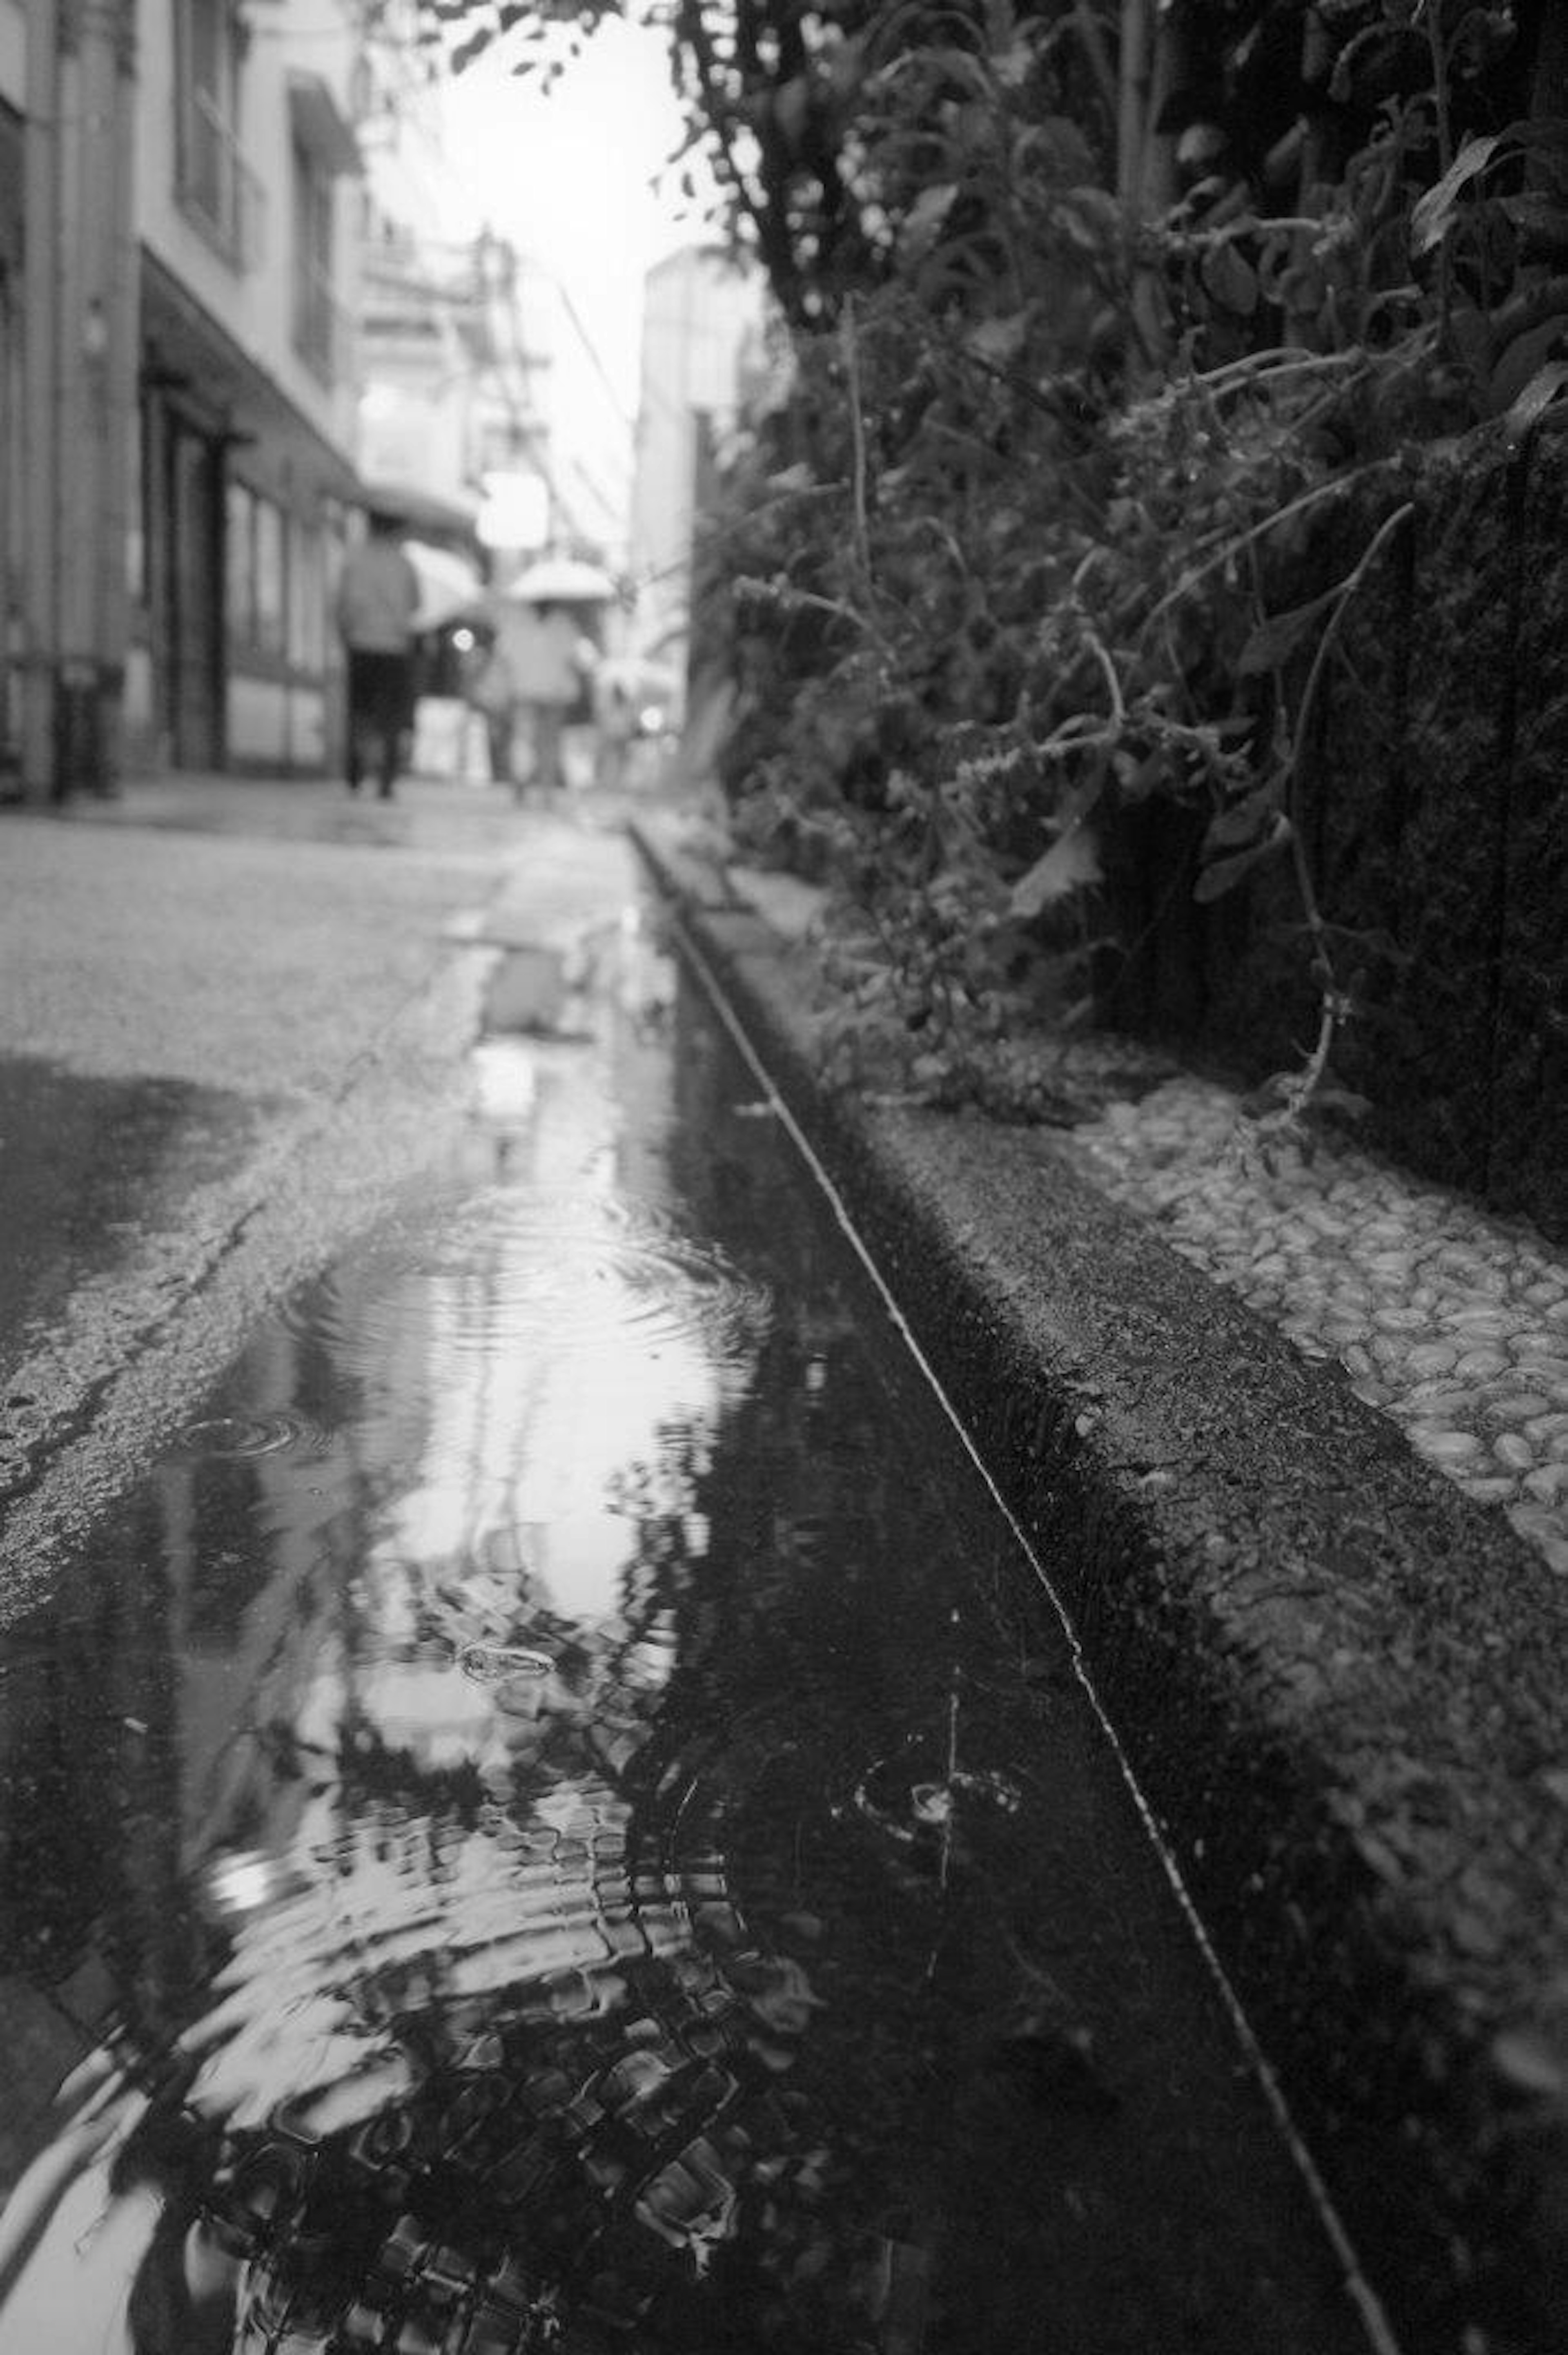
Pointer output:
x,y
701,331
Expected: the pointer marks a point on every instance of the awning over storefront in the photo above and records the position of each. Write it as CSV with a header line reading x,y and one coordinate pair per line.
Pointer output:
x,y
187,354
317,125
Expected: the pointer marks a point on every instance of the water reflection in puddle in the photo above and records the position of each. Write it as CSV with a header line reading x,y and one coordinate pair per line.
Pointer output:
x,y
607,1857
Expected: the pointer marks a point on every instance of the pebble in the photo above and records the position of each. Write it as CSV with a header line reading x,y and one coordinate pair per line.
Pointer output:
x,y
1453,1323
1489,1487
1522,1407
1443,1446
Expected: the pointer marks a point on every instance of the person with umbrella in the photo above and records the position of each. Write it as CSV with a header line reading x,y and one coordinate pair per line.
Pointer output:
x,y
538,666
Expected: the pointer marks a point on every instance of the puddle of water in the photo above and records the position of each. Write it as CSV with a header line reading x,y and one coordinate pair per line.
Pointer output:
x,y
553,1820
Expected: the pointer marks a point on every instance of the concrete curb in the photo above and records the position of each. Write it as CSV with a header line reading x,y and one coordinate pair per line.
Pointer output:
x,y
1338,1680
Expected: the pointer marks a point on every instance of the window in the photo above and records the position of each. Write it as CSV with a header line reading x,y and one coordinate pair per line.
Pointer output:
x,y
239,553
271,610
315,312
307,603
255,573
322,146
214,186
256,584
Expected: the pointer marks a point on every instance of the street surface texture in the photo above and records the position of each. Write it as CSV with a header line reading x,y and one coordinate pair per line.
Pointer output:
x,y
1453,1323
232,1022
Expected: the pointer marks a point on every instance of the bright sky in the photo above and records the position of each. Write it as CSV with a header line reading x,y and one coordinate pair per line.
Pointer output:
x,y
568,175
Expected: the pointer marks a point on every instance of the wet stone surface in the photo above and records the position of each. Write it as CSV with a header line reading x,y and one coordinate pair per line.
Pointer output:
x,y
1453,1323
554,1817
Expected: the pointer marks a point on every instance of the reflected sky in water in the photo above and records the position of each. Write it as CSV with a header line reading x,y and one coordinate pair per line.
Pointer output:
x,y
554,1818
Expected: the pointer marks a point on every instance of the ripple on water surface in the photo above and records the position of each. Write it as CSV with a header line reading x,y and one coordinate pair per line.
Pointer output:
x,y
622,1910
569,1273
246,1435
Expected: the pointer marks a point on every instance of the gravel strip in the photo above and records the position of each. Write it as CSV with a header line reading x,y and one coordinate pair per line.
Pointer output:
x,y
1453,1323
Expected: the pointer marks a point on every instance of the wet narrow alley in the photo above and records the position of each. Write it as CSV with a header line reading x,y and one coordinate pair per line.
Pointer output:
x,y
554,1814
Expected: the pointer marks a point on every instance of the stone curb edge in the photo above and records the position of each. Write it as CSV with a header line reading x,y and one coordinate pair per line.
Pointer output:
x,y
1339,1682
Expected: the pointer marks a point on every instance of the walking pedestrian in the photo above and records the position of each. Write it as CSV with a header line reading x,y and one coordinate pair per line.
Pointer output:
x,y
536,671
377,598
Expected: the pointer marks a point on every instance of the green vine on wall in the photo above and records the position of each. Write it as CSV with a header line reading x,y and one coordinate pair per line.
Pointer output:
x,y
1096,317
1080,454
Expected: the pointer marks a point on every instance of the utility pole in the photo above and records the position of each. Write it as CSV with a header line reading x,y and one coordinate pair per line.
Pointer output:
x,y
81,284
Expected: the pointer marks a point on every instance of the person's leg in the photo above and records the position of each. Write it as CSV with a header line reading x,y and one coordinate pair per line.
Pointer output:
x,y
387,702
354,718
500,728
548,722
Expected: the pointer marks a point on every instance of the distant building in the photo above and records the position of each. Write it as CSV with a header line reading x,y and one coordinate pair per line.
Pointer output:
x,y
702,330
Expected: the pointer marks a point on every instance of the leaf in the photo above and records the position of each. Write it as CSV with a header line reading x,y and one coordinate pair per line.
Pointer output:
x,y
1072,864
1537,395
1432,214
1224,874
999,340
1245,822
1138,778
1011,67
1231,279
925,217
1277,637
1545,138
1522,361
1541,220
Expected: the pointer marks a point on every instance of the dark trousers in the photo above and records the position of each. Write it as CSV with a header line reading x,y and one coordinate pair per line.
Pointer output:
x,y
380,713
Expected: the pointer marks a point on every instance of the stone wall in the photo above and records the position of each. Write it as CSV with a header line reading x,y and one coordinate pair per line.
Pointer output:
x,y
1434,806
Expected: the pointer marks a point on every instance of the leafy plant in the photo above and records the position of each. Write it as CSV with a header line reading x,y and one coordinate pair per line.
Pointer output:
x,y
1094,311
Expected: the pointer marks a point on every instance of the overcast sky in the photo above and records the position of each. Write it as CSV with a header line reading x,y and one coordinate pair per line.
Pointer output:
x,y
565,175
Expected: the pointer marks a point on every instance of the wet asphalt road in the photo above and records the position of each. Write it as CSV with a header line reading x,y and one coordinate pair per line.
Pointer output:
x,y
233,1018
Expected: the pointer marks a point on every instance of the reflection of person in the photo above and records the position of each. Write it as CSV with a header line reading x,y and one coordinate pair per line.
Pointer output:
x,y
377,598
535,669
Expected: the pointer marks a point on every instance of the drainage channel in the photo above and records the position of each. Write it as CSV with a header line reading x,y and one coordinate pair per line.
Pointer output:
x,y
557,1815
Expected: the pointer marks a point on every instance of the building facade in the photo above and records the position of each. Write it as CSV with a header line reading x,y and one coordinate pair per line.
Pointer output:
x,y
184,214
13,101
703,323
242,432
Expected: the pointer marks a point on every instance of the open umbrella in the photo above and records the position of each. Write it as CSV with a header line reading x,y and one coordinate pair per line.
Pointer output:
x,y
560,581
449,586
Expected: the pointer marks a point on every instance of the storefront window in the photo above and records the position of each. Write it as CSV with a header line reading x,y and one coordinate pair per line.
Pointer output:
x,y
271,580
307,603
241,550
